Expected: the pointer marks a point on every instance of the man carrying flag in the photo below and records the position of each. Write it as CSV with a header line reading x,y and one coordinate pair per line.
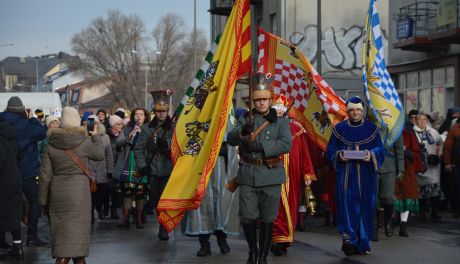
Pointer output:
x,y
261,172
386,109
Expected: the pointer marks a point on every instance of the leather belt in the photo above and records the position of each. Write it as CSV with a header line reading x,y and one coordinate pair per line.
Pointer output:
x,y
269,162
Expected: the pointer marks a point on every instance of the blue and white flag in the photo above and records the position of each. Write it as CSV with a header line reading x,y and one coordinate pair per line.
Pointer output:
x,y
382,97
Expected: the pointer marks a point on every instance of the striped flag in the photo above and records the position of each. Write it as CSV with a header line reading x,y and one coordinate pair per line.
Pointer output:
x,y
381,95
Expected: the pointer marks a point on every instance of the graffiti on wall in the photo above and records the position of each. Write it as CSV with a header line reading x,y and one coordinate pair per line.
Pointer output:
x,y
341,48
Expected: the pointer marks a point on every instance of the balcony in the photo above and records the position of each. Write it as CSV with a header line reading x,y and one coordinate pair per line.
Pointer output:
x,y
448,22
415,25
221,7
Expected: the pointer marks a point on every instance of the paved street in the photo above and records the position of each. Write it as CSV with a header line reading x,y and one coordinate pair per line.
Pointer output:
x,y
429,242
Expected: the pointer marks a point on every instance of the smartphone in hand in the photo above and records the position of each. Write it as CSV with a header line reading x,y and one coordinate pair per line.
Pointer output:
x,y
90,124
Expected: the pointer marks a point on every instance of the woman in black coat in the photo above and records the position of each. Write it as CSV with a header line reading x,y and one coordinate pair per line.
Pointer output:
x,y
10,191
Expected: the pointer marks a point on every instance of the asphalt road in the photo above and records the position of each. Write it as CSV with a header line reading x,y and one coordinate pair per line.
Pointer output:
x,y
428,242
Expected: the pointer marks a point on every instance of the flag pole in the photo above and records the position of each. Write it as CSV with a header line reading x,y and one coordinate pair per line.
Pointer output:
x,y
254,58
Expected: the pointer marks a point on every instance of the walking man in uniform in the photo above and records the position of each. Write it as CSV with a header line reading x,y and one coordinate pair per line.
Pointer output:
x,y
153,153
261,171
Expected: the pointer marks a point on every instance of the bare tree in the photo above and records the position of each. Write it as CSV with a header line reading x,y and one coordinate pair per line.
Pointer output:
x,y
172,55
105,55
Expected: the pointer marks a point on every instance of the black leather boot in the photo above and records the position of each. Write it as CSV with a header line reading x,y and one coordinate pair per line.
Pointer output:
x,y
222,242
388,219
375,231
34,241
276,249
265,241
162,234
327,218
15,253
435,208
205,246
250,233
3,244
403,229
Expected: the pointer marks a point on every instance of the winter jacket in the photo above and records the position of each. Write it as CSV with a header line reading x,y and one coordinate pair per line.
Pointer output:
x,y
28,133
433,172
65,188
100,169
452,146
10,180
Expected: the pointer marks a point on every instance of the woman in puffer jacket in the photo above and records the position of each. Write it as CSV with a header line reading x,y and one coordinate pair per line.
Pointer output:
x,y
64,187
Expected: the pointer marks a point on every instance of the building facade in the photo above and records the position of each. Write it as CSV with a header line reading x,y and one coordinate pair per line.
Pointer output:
x,y
342,25
424,57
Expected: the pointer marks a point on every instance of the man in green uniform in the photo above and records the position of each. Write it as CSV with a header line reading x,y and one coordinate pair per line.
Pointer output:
x,y
153,153
261,172
387,174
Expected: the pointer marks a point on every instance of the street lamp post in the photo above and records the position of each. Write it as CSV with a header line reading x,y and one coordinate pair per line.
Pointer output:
x,y
36,74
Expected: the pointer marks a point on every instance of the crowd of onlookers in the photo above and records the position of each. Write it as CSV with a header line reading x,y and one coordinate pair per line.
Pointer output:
x,y
38,173
40,177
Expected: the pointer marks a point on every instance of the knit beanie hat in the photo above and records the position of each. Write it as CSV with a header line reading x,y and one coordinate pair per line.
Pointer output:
x,y
50,119
15,105
114,119
70,117
120,113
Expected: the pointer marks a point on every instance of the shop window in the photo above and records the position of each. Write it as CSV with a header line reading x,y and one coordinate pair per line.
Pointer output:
x,y
401,81
412,80
439,100
439,76
425,100
450,75
411,100
425,78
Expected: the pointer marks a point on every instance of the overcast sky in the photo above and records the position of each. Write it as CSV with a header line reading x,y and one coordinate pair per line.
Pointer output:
x,y
38,27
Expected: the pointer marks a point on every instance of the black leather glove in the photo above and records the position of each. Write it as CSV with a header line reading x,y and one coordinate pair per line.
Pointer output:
x,y
247,129
256,146
109,176
408,155
145,171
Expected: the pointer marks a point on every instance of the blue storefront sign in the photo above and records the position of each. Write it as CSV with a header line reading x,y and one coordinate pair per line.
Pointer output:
x,y
404,28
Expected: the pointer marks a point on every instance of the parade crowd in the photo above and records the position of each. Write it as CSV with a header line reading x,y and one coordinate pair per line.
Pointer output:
x,y
77,169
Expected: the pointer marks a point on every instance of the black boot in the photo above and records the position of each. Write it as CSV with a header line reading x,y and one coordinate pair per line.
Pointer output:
x,y
205,246
34,241
222,242
15,253
265,241
403,229
327,218
276,249
375,231
388,219
3,244
250,233
435,208
347,248
162,234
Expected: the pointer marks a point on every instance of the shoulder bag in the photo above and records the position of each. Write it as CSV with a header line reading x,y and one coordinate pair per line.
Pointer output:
x,y
84,168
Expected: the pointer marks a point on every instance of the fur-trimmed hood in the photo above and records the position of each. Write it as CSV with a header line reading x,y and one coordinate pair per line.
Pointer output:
x,y
66,138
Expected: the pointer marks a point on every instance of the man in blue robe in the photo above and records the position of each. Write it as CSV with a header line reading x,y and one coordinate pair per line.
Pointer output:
x,y
356,185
